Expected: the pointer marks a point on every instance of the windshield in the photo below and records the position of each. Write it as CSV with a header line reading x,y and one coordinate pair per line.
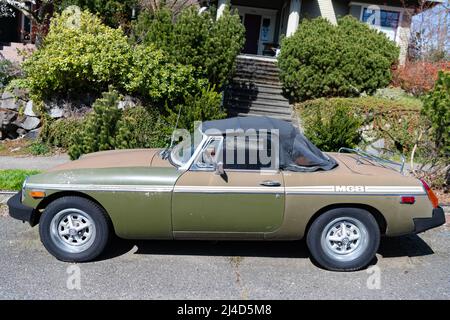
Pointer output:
x,y
183,151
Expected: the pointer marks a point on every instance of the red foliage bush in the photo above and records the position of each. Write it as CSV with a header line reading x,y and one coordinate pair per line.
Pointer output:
x,y
418,77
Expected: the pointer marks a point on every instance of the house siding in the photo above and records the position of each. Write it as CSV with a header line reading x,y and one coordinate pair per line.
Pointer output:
x,y
355,11
341,8
310,9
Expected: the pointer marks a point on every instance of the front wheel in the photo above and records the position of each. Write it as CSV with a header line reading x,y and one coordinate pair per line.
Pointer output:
x,y
344,239
74,229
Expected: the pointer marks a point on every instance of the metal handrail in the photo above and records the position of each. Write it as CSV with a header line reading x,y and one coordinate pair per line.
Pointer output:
x,y
380,160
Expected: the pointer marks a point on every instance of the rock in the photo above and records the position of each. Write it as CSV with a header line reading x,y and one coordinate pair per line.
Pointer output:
x,y
29,109
56,113
127,102
9,101
54,110
6,117
33,134
21,132
20,93
30,123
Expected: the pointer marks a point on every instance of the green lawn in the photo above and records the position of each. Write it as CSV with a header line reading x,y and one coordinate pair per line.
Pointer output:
x,y
12,180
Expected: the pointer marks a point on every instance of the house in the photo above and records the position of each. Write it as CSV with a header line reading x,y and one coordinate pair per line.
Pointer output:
x,y
17,32
267,21
16,28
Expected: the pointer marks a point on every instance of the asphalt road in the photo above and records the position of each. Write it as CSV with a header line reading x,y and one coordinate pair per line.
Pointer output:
x,y
411,267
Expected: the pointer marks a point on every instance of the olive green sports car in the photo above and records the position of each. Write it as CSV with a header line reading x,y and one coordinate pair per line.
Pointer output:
x,y
251,178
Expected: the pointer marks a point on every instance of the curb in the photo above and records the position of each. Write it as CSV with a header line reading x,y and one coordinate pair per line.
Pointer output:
x,y
5,196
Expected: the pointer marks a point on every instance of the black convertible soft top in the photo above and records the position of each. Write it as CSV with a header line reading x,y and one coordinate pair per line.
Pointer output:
x,y
296,152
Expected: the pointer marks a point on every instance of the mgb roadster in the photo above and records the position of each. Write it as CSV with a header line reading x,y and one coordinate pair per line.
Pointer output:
x,y
247,178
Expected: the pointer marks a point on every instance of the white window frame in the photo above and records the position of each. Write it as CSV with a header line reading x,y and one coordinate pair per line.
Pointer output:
x,y
365,5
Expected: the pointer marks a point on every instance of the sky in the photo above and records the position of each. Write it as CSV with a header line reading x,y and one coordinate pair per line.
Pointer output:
x,y
436,25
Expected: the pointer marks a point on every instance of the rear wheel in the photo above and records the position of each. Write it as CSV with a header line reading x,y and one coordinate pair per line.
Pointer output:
x,y
74,229
344,239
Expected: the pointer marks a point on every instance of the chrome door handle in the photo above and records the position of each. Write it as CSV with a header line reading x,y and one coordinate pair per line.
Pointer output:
x,y
271,184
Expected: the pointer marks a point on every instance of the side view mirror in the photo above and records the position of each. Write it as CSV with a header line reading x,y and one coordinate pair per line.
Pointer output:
x,y
219,168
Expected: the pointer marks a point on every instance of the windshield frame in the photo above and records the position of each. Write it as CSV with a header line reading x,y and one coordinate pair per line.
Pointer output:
x,y
186,165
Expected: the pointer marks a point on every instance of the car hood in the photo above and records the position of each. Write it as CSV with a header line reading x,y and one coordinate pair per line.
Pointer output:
x,y
117,159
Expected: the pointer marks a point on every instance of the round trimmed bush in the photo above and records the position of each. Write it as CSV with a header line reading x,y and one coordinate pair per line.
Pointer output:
x,y
324,60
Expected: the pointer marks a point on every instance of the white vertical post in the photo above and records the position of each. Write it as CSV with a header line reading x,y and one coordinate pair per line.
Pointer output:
x,y
294,17
221,7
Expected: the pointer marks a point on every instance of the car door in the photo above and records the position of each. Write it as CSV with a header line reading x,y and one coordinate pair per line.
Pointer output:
x,y
246,201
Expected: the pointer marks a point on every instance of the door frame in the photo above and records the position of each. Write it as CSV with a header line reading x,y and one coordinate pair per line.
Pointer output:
x,y
265,14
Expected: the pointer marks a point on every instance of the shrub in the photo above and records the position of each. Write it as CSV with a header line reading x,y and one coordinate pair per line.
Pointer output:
x,y
206,105
113,13
340,128
323,60
38,149
59,133
195,39
437,110
7,73
78,59
154,77
418,77
398,124
108,128
141,127
99,128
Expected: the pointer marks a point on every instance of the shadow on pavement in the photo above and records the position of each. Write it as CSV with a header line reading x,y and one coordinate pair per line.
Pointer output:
x,y
410,245
404,246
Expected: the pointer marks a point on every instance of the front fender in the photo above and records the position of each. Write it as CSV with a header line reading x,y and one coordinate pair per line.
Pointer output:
x,y
138,200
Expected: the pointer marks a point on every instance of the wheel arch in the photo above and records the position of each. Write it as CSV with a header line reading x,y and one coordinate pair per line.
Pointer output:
x,y
379,217
60,194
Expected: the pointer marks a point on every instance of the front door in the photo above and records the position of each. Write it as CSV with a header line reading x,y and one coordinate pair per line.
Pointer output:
x,y
244,202
252,24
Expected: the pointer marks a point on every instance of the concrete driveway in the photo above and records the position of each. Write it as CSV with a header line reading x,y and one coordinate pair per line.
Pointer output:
x,y
411,267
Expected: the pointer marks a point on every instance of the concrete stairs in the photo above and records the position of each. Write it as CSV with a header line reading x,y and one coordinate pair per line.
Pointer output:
x,y
10,51
256,90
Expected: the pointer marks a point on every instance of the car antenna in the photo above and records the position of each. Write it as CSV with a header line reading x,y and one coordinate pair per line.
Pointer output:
x,y
165,153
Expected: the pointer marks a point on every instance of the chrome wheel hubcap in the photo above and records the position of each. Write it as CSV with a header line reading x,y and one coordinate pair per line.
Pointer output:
x,y
344,239
73,230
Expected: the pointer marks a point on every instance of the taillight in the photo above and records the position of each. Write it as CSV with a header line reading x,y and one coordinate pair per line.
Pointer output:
x,y
408,200
434,200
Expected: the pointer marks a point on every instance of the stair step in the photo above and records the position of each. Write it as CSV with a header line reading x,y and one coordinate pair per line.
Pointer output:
x,y
258,82
260,102
256,88
256,62
259,108
258,76
268,68
244,114
252,95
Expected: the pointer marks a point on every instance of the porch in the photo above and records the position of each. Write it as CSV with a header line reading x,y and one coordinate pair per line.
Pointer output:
x,y
266,22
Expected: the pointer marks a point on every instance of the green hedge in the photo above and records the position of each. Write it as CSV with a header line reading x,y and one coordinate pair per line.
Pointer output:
x,y
210,46
324,60
437,110
381,119
78,58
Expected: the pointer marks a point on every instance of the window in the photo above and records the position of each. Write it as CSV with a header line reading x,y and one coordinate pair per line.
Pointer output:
x,y
209,155
265,30
382,18
250,152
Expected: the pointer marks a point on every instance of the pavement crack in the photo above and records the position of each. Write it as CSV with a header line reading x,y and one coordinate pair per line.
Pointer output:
x,y
235,264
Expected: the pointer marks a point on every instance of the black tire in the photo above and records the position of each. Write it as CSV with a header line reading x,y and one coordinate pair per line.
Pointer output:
x,y
363,254
97,241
